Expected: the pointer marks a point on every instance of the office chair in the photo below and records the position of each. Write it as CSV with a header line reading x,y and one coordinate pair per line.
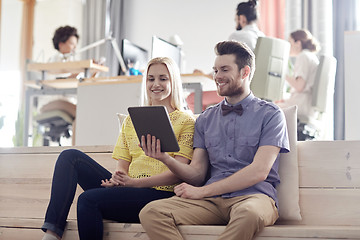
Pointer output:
x,y
322,94
271,61
56,119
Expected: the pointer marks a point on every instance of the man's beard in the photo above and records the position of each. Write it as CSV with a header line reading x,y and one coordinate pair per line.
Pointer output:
x,y
238,28
232,91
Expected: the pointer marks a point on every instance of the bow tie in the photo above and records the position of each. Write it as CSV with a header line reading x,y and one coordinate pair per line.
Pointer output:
x,y
227,109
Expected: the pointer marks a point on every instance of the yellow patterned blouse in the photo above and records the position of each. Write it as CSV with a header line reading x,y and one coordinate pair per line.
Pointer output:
x,y
127,147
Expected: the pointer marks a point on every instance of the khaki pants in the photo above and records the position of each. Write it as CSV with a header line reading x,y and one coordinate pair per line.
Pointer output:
x,y
244,216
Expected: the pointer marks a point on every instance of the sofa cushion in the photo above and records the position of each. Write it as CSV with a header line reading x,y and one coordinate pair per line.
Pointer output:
x,y
121,118
288,189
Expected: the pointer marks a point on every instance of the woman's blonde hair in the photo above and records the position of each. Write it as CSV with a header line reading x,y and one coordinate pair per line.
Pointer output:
x,y
177,96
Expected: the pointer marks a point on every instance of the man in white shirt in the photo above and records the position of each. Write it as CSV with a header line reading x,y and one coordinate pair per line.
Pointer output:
x,y
246,28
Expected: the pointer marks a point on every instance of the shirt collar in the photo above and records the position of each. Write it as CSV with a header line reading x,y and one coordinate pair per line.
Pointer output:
x,y
243,102
251,26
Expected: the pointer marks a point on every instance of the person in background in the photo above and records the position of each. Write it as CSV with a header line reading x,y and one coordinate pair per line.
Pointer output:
x,y
137,180
246,32
65,41
303,46
246,28
236,153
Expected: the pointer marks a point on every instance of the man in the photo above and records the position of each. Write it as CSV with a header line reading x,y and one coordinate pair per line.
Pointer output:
x,y
247,30
239,141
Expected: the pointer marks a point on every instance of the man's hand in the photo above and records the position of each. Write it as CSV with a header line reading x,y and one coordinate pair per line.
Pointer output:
x,y
185,190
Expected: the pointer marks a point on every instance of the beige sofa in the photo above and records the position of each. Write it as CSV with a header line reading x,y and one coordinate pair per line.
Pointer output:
x,y
319,195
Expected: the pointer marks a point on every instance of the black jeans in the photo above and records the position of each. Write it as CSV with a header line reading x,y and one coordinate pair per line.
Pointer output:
x,y
121,204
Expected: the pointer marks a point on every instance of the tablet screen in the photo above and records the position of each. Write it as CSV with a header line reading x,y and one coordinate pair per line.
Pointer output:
x,y
154,120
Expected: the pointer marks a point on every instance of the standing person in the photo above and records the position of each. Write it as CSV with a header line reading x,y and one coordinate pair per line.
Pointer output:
x,y
137,180
65,40
239,140
303,46
246,32
246,29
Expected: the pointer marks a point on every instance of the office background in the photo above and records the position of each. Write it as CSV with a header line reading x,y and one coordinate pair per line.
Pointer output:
x,y
200,24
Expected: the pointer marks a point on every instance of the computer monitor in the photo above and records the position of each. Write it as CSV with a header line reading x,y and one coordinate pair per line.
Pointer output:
x,y
271,61
135,58
163,48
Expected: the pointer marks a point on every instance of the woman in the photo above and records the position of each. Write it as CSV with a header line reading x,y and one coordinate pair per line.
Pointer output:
x,y
137,180
247,30
303,46
65,41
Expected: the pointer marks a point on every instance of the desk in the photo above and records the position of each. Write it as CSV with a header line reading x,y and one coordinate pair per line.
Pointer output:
x,y
99,101
42,87
88,66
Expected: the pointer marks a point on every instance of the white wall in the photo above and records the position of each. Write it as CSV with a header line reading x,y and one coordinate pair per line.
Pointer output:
x,y
352,85
199,23
10,35
49,15
11,12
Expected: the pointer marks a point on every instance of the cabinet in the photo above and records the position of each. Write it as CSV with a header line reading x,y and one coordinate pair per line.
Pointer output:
x,y
99,101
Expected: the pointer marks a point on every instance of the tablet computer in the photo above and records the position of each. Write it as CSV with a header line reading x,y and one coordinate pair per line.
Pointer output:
x,y
154,120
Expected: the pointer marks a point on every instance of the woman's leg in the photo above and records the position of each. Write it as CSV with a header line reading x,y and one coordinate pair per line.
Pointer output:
x,y
121,204
72,167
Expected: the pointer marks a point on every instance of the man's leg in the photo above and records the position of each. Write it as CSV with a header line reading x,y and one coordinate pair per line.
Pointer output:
x,y
160,218
248,215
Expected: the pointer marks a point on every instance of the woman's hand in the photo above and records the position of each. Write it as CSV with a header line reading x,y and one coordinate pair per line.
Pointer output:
x,y
298,83
152,148
119,179
107,183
